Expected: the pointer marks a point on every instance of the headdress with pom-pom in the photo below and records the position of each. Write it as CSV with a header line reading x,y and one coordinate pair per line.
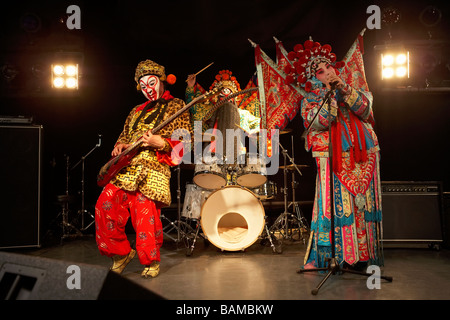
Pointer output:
x,y
149,67
305,60
226,80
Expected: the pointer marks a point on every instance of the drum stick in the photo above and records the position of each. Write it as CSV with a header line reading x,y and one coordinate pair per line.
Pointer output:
x,y
209,65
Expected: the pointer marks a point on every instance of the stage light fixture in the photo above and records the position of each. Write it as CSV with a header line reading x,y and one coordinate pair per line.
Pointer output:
x,y
58,82
65,76
394,65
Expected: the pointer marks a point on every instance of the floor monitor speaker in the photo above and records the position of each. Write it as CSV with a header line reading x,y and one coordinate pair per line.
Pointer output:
x,y
27,277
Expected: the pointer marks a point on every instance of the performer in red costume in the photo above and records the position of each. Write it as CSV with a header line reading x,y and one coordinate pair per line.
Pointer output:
x,y
140,189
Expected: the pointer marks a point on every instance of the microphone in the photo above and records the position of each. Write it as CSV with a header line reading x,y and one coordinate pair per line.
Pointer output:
x,y
334,85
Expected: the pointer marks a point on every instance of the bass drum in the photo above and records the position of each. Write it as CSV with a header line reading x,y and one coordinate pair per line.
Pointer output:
x,y
232,218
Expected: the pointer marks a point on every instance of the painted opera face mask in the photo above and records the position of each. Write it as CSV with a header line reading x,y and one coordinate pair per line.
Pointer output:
x,y
150,87
225,92
323,71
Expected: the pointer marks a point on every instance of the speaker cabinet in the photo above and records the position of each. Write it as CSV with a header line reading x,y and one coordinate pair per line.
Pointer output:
x,y
446,219
26,277
412,211
20,198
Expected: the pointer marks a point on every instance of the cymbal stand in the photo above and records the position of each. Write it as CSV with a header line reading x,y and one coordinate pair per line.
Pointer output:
x,y
83,210
183,229
67,227
304,227
285,223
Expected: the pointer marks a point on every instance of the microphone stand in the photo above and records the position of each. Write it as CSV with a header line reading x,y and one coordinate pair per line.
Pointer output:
x,y
333,266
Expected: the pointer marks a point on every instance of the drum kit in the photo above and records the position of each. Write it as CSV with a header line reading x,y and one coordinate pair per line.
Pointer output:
x,y
224,206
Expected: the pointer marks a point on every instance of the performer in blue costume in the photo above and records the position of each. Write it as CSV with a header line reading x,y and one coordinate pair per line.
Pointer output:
x,y
356,172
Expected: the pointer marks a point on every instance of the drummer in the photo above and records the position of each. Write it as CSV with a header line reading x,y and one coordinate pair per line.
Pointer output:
x,y
231,115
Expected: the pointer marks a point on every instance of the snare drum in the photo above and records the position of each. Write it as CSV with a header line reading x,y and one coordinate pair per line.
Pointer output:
x,y
253,174
193,201
267,191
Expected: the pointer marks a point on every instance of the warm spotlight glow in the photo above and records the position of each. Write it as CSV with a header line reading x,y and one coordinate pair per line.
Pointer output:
x,y
401,59
65,76
58,70
387,60
395,65
388,73
71,83
400,72
71,70
58,82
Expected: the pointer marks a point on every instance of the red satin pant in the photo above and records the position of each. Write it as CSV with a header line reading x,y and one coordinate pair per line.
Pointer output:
x,y
114,207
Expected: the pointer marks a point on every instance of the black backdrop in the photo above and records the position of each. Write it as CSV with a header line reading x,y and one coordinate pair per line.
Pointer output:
x,y
185,36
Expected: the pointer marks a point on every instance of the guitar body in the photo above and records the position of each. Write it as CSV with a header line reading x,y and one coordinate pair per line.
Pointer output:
x,y
113,166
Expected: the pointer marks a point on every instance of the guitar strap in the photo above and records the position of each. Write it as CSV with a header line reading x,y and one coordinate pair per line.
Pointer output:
x,y
157,113
162,111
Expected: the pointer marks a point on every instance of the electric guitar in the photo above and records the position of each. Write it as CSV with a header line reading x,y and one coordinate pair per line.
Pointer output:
x,y
113,166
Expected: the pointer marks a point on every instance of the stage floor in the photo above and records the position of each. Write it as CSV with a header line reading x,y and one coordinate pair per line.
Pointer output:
x,y
260,273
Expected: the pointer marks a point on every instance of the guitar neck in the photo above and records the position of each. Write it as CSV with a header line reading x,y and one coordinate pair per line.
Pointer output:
x,y
178,113
171,118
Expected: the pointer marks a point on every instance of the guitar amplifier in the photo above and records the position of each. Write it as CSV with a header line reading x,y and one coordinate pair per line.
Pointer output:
x,y
20,198
412,211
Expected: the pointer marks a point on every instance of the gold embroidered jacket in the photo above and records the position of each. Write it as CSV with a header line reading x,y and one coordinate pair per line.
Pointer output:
x,y
149,171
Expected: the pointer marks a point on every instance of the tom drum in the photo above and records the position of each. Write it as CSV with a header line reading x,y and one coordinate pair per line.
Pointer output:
x,y
253,174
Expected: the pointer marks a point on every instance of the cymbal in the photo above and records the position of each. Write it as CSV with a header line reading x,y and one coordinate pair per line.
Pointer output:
x,y
292,167
284,131
189,166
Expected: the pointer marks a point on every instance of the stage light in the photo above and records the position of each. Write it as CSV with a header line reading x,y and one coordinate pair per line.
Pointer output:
x,y
394,65
400,72
58,70
387,60
65,76
387,73
401,59
71,83
71,70
58,82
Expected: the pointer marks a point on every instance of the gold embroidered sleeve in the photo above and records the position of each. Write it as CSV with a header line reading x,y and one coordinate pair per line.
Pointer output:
x,y
180,124
124,136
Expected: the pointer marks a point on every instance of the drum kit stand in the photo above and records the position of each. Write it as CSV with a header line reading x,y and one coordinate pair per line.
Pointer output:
x,y
188,227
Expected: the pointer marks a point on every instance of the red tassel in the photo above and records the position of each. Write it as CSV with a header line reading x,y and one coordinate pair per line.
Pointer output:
x,y
360,152
336,132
